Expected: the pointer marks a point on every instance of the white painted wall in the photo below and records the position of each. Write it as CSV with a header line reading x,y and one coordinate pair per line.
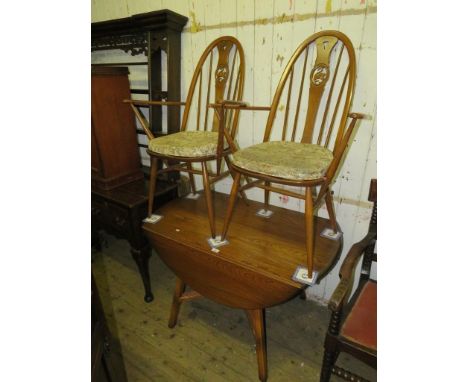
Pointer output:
x,y
270,31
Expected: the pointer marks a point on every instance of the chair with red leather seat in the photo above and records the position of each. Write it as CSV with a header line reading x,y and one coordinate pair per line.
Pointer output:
x,y
353,324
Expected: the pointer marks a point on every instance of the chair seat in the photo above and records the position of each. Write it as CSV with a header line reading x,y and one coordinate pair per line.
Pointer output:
x,y
360,326
288,160
192,144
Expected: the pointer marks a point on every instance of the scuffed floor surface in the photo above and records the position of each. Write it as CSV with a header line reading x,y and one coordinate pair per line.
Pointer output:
x,y
211,342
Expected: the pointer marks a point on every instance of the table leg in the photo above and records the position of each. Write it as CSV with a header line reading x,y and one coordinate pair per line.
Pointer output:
x,y
178,292
141,257
257,322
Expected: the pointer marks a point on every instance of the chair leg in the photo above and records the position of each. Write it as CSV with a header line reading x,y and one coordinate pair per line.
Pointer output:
x,y
178,292
329,358
191,177
331,210
241,193
266,201
309,224
230,208
257,322
152,185
209,199
244,198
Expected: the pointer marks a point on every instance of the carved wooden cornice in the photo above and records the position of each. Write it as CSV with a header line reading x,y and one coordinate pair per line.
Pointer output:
x,y
134,44
131,33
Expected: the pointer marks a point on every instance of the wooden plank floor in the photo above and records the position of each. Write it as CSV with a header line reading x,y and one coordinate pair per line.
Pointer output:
x,y
211,342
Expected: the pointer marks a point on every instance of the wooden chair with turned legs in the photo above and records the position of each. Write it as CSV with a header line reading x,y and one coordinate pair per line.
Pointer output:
x,y
205,135
306,133
353,324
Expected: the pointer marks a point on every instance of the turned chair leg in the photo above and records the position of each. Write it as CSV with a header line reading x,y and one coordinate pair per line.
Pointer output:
x,y
266,201
191,177
178,292
152,184
232,201
331,210
209,199
257,322
329,358
309,225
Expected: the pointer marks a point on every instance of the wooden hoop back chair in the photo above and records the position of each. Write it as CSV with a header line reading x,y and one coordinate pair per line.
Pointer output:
x,y
218,77
353,323
307,129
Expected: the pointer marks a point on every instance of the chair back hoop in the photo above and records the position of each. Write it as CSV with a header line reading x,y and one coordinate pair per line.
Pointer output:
x,y
316,113
219,75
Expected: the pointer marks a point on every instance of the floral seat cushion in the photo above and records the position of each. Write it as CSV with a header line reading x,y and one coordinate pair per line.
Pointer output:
x,y
289,160
186,144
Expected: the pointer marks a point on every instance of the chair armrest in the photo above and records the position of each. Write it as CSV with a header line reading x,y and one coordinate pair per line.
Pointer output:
x,y
351,260
141,118
356,115
234,103
347,271
161,103
339,150
228,104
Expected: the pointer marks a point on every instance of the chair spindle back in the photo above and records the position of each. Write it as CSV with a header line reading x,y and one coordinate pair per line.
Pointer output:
x,y
219,75
314,108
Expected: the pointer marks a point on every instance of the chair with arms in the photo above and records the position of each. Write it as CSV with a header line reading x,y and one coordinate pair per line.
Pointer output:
x,y
353,325
209,137
306,131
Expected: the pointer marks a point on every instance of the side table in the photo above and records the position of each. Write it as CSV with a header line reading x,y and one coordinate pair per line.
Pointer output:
x,y
120,212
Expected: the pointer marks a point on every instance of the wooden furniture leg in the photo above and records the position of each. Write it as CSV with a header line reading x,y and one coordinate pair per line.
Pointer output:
x,y
180,295
232,201
209,199
141,257
309,224
152,184
327,365
233,174
178,292
257,322
331,210
267,197
191,177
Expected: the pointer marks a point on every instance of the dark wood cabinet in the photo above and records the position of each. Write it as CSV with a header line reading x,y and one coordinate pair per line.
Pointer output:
x,y
114,148
120,210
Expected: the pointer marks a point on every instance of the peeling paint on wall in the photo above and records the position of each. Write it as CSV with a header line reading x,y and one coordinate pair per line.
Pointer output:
x,y
194,25
197,27
280,58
